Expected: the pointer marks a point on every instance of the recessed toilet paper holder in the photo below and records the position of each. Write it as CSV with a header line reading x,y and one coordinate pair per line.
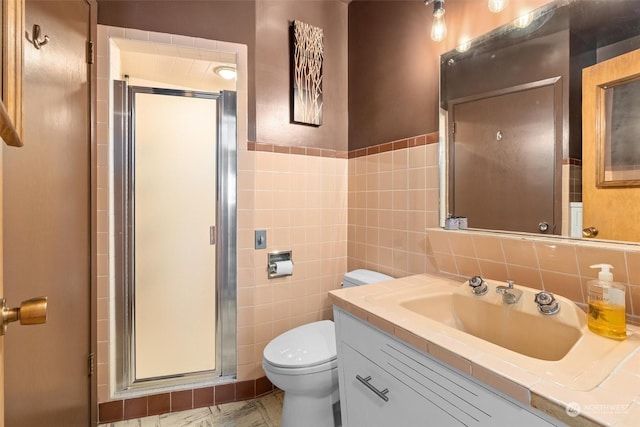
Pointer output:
x,y
276,258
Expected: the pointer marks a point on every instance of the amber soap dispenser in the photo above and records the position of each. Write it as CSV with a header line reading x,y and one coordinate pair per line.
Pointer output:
x,y
606,315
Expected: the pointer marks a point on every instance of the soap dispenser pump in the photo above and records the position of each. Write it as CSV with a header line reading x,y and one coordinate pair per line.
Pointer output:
x,y
606,315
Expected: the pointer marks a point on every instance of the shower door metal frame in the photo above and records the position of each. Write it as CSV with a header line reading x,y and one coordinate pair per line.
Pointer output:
x,y
225,240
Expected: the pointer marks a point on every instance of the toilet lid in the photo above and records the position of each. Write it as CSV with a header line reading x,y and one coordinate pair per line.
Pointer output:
x,y
363,277
307,345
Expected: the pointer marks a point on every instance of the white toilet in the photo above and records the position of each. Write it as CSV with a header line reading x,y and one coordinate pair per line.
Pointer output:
x,y
303,363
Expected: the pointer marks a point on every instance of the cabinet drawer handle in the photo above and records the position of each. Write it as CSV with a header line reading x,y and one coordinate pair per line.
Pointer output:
x,y
381,394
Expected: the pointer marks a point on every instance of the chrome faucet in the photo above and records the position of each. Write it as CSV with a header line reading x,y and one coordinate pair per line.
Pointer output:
x,y
510,295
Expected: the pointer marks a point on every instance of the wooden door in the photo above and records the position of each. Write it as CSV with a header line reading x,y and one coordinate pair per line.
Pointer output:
x,y
46,187
505,161
10,122
1,293
612,210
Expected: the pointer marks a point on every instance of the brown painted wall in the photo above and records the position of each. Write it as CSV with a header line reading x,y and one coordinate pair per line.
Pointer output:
x,y
393,72
272,73
386,59
393,63
264,27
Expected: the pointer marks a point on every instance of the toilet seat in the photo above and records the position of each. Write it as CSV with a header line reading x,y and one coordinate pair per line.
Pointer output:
x,y
306,346
327,366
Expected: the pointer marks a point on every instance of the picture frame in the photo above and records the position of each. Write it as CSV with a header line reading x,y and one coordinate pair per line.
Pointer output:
x,y
307,54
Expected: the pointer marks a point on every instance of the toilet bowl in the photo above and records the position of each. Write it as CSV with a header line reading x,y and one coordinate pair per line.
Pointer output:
x,y
303,363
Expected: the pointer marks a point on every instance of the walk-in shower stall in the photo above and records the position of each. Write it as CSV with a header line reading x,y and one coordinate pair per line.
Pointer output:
x,y
174,198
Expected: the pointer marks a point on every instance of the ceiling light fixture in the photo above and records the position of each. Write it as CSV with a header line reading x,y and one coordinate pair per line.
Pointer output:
x,y
497,6
227,73
439,27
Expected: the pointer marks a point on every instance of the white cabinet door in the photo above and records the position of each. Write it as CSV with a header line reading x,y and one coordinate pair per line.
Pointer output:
x,y
365,407
406,387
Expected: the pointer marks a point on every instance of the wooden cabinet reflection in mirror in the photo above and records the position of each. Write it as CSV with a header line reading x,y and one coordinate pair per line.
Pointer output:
x,y
12,41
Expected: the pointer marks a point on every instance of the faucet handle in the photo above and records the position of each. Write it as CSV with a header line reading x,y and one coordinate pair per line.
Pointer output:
x,y
478,285
547,303
510,283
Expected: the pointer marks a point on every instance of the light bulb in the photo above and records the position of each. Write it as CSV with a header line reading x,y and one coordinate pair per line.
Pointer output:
x,y
523,21
497,6
439,27
464,46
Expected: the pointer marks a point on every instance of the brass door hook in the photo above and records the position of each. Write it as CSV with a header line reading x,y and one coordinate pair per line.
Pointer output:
x,y
35,38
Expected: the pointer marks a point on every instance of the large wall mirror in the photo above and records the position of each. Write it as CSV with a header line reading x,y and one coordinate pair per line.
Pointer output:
x,y
511,104
12,40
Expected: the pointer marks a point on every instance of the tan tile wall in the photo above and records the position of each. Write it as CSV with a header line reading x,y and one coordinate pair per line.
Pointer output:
x,y
393,198
555,265
301,201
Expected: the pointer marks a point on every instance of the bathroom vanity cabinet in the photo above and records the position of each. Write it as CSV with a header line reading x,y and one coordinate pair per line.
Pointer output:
x,y
385,382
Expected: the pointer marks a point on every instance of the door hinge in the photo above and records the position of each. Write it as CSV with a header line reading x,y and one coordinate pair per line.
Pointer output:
x,y
453,128
92,364
90,52
212,235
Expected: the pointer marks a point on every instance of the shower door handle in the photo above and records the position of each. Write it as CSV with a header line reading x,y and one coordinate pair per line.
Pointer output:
x,y
212,235
30,312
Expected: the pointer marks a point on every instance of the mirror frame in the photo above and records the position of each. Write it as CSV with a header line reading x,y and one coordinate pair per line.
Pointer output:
x,y
12,60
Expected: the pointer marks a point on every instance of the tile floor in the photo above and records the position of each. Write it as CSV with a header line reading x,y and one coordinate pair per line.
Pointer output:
x,y
265,411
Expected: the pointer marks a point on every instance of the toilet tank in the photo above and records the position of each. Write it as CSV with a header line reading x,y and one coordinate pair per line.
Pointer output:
x,y
363,277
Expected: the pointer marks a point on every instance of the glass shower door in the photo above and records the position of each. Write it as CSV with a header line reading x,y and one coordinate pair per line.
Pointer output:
x,y
174,210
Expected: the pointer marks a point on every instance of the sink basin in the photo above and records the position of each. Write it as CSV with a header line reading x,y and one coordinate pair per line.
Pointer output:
x,y
557,347
506,325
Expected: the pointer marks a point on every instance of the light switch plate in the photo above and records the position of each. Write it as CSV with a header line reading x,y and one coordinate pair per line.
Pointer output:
x,y
261,239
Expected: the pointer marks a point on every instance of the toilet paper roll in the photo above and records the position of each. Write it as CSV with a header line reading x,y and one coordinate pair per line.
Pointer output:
x,y
284,267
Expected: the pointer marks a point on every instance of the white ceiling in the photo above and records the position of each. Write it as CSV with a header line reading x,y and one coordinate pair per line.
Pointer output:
x,y
174,66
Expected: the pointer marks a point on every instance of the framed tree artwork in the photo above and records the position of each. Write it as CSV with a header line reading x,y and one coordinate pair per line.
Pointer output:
x,y
307,52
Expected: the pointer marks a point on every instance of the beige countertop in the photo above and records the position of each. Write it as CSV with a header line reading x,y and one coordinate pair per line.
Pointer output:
x,y
606,393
